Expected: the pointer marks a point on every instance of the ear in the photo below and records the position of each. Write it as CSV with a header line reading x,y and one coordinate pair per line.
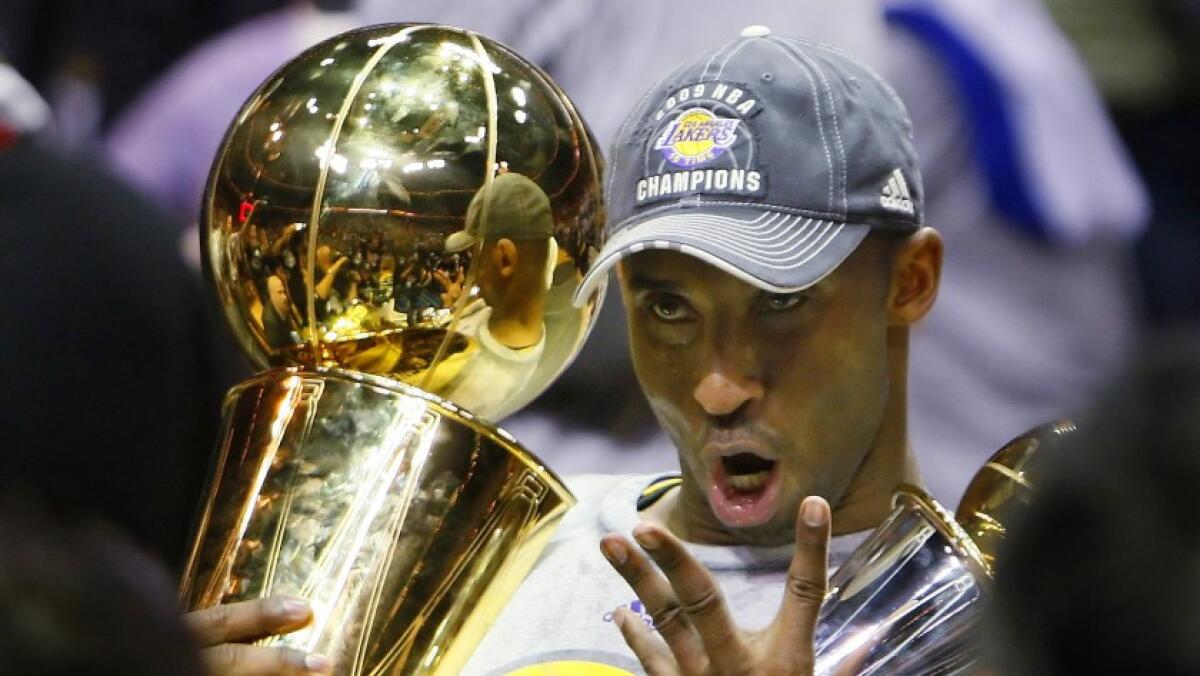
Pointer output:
x,y
505,257
916,274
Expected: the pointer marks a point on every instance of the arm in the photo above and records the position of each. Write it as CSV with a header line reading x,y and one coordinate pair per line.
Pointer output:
x,y
325,286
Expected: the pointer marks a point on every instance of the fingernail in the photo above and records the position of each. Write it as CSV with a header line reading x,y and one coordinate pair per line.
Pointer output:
x,y
813,512
317,664
647,538
612,552
619,617
293,608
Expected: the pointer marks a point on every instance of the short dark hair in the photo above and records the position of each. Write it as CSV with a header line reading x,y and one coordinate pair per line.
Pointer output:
x,y
80,601
1101,574
890,241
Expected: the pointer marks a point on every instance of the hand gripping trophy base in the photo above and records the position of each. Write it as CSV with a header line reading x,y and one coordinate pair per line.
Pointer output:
x,y
907,601
404,520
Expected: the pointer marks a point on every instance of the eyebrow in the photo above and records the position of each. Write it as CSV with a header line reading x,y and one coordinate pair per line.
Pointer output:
x,y
642,282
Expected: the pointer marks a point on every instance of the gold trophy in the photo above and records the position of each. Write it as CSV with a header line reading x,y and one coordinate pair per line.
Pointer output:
x,y
395,225
908,599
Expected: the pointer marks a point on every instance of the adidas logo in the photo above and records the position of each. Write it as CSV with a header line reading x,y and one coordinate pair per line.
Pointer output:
x,y
896,196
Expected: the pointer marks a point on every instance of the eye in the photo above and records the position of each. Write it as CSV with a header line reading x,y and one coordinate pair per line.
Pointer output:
x,y
779,302
668,308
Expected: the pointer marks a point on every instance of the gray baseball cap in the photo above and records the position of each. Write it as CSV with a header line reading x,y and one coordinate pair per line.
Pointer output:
x,y
516,209
770,158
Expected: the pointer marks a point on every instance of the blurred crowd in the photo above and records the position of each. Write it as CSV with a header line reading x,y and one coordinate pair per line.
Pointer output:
x,y
404,276
1057,141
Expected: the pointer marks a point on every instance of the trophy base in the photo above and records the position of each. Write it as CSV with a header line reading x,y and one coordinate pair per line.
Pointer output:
x,y
405,521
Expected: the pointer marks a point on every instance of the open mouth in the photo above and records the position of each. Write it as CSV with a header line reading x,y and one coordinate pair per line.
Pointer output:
x,y
744,489
747,472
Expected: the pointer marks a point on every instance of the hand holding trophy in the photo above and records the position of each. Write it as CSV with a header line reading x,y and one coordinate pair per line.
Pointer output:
x,y
395,225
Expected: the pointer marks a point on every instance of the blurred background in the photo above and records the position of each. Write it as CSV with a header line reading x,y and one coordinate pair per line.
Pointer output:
x,y
1056,141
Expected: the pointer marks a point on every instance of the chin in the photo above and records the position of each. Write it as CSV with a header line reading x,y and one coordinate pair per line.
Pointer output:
x,y
771,534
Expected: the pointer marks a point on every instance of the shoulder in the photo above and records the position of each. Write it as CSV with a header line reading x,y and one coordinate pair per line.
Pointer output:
x,y
597,497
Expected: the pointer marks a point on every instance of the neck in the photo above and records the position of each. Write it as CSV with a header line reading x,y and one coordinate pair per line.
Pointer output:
x,y
517,322
890,462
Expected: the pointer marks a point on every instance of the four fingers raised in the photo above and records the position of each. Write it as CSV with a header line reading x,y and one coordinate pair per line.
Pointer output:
x,y
692,616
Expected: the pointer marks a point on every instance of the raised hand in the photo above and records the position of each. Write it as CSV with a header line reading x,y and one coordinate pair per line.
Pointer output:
x,y
696,632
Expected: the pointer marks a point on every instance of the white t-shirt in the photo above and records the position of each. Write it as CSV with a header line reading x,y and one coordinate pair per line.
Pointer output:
x,y
562,612
487,385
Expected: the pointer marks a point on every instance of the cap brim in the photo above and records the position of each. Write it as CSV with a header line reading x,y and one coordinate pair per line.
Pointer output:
x,y
459,241
774,251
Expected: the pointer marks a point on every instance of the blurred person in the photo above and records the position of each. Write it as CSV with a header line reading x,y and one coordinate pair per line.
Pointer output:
x,y
1145,57
90,58
79,600
416,295
337,288
1025,179
514,254
1100,573
451,278
110,394
279,316
166,140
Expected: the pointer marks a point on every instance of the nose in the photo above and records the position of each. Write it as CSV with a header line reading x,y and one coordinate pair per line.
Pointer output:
x,y
720,395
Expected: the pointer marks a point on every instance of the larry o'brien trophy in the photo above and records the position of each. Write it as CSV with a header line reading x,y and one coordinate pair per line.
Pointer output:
x,y
906,602
395,225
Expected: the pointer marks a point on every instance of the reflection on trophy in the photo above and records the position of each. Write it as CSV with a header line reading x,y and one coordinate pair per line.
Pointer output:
x,y
395,225
908,598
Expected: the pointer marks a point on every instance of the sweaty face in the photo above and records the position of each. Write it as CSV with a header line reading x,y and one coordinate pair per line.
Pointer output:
x,y
768,397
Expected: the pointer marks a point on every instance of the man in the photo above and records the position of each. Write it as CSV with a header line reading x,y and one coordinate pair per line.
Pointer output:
x,y
516,249
104,327
765,219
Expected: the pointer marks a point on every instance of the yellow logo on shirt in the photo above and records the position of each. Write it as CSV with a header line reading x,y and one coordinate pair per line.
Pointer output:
x,y
570,668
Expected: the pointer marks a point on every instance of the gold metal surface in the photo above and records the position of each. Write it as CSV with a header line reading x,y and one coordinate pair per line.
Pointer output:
x,y
1000,484
406,522
911,498
332,204
396,223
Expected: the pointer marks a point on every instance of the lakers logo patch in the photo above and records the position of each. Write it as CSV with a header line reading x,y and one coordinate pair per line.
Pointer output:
x,y
696,137
702,143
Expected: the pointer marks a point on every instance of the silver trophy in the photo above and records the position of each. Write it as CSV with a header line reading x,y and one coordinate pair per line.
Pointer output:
x,y
907,600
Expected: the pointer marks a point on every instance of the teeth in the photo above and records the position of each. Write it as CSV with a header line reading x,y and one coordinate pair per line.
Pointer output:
x,y
746,483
